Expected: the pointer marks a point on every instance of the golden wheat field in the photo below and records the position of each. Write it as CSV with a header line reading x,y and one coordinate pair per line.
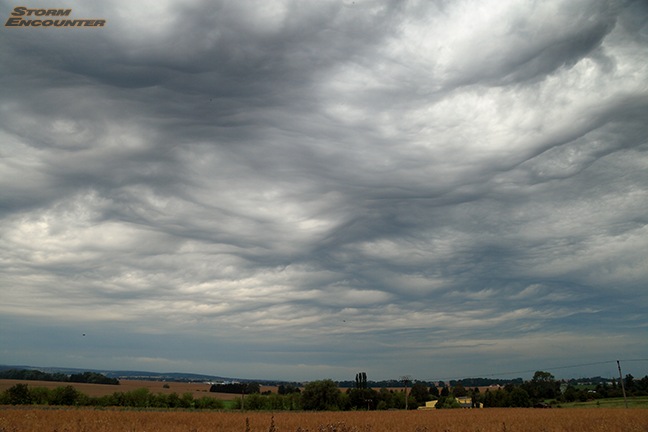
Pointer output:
x,y
486,420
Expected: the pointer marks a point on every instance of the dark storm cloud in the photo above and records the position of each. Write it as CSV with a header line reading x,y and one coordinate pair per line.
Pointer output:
x,y
284,179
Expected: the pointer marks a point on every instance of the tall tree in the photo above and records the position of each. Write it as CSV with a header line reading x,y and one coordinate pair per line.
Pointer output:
x,y
519,398
420,393
322,395
542,386
361,380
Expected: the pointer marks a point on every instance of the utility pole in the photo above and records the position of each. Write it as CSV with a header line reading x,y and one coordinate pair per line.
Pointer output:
x,y
406,379
622,384
243,398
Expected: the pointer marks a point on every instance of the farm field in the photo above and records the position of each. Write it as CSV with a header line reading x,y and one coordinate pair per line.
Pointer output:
x,y
633,402
198,390
487,420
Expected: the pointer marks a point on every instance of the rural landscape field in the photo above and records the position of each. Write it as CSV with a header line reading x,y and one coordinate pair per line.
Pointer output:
x,y
226,414
197,390
491,420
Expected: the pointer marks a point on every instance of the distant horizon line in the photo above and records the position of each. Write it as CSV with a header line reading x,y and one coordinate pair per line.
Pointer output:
x,y
150,373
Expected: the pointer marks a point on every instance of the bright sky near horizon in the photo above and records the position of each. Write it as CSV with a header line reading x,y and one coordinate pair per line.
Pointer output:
x,y
307,189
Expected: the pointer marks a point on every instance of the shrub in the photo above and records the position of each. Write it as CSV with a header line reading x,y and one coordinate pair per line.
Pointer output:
x,y
67,395
19,395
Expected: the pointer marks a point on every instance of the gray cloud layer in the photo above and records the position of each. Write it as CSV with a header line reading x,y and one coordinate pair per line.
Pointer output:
x,y
303,190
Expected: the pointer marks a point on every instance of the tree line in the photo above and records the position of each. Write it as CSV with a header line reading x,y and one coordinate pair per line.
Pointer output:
x,y
22,394
543,389
326,395
317,395
36,375
236,388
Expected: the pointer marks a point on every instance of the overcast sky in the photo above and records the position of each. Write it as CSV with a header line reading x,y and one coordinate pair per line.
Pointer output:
x,y
303,190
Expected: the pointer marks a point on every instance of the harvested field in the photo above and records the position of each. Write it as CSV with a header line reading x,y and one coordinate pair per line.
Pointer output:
x,y
198,390
487,420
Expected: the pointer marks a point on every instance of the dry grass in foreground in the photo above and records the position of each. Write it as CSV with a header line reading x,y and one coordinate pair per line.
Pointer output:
x,y
487,420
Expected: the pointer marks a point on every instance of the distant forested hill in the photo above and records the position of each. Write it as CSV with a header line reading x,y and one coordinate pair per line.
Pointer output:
x,y
37,375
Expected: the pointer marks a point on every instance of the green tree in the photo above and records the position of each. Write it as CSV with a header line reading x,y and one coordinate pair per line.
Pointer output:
x,y
642,386
363,398
287,389
93,378
420,393
40,395
542,376
475,397
294,401
19,395
447,402
187,400
496,399
385,399
237,388
602,390
459,390
139,398
344,403
173,400
321,395
434,392
277,402
67,395
489,399
629,383
542,386
361,380
255,402
570,394
398,400
519,398
207,402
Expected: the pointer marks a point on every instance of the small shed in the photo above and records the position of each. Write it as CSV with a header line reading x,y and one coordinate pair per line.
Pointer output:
x,y
429,405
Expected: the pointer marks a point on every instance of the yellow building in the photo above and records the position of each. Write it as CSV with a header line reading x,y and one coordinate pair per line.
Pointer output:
x,y
429,405
465,402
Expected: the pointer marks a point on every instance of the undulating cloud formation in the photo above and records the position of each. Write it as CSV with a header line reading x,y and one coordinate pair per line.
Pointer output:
x,y
302,190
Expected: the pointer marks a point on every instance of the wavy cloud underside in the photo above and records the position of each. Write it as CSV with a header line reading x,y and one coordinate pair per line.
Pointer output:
x,y
304,190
